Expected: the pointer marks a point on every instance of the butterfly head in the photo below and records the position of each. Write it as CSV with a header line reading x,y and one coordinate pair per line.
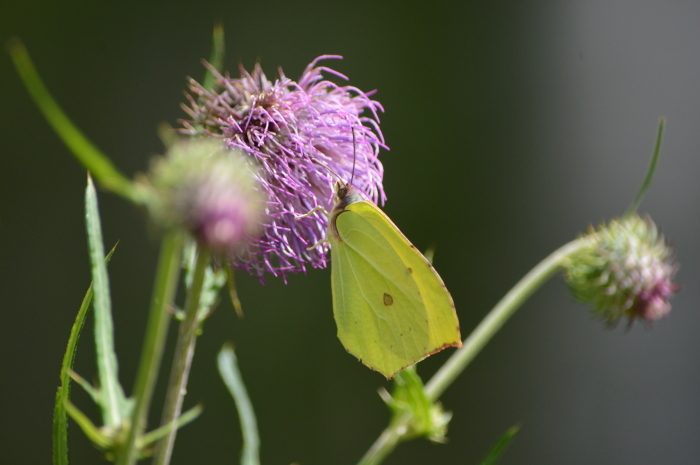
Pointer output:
x,y
346,194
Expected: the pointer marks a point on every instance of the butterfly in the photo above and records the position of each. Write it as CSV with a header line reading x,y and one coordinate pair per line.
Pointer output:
x,y
390,305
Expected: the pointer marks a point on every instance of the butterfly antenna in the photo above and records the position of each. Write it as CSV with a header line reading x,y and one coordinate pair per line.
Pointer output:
x,y
352,174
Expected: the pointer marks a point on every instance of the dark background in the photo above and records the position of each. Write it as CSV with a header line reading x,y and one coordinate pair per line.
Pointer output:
x,y
512,127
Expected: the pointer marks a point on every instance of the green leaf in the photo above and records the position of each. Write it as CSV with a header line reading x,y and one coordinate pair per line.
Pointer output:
x,y
92,392
233,292
214,280
112,399
216,59
91,431
652,169
84,150
187,417
408,397
60,417
499,448
228,369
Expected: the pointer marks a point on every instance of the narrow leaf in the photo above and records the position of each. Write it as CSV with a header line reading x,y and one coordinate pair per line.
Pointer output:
x,y
216,58
60,417
652,168
214,280
111,394
499,448
82,382
84,150
187,417
228,369
88,427
233,292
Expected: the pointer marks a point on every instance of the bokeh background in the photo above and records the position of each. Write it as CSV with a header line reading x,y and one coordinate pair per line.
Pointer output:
x,y
512,127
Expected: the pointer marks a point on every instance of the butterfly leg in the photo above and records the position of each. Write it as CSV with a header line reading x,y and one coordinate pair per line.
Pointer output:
x,y
311,212
322,241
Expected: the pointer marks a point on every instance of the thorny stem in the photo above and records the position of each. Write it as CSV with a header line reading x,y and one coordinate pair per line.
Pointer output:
x,y
473,344
159,317
182,360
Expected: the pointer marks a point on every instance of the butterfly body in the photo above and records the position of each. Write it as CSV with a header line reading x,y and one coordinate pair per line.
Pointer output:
x,y
390,305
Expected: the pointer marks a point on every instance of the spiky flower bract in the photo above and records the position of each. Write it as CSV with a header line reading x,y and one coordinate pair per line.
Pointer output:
x,y
209,190
304,136
627,271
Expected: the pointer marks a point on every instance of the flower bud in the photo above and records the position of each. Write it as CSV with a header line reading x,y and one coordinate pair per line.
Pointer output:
x,y
625,272
210,190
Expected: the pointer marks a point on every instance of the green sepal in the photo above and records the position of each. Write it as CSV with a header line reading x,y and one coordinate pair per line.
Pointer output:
x,y
408,397
499,448
60,417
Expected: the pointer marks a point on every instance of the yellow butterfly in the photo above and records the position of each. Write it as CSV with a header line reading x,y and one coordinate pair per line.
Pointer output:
x,y
390,305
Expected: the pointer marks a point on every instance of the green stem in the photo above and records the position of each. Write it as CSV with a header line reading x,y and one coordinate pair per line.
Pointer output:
x,y
165,286
85,151
182,360
473,344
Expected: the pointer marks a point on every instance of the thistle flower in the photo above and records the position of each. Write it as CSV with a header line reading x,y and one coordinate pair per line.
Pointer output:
x,y
626,272
304,136
209,190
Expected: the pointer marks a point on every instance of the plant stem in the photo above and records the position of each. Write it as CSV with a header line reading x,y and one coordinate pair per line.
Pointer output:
x,y
163,293
473,344
182,360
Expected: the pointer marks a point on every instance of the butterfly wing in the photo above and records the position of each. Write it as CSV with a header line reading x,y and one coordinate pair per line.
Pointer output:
x,y
390,305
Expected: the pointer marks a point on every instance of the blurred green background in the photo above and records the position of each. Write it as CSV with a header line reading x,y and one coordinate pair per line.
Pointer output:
x,y
512,127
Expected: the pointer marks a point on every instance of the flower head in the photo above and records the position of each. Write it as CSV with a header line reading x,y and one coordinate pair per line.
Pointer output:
x,y
304,136
210,191
626,272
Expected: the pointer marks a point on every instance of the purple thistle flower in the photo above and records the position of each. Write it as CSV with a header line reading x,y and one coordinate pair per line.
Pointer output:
x,y
301,136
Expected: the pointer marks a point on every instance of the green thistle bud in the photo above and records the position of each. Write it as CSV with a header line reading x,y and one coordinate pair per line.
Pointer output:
x,y
625,272
210,191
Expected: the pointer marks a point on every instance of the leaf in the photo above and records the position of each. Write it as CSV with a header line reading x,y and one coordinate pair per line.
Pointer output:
x,y
650,172
228,369
112,399
214,280
408,397
84,150
216,59
60,417
187,417
499,448
91,431
233,292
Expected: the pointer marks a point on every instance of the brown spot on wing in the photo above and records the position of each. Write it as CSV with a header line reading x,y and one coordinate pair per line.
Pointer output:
x,y
388,299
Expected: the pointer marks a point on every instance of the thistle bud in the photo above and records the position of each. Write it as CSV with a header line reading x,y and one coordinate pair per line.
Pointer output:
x,y
210,190
625,272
